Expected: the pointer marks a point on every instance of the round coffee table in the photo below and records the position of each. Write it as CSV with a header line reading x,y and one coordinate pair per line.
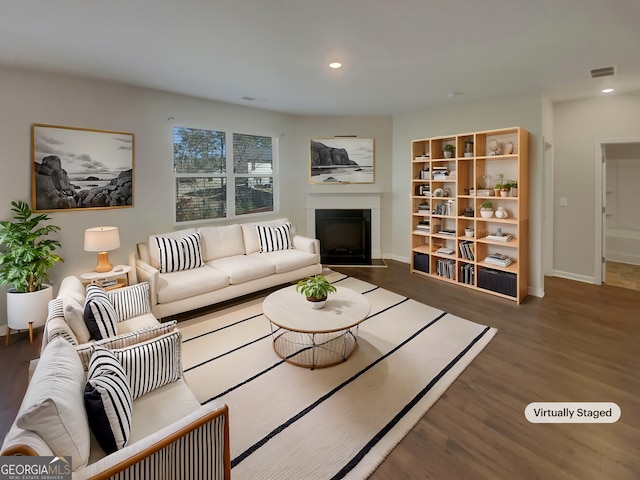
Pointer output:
x,y
315,338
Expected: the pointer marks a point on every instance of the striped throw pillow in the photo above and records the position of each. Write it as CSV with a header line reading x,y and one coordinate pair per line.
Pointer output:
x,y
99,314
107,400
125,340
274,239
130,301
183,254
152,364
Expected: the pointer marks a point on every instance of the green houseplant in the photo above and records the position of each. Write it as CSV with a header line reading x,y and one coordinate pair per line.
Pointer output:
x,y
316,289
28,253
24,261
449,149
486,209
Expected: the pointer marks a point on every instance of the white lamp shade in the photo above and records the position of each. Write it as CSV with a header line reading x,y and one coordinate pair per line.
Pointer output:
x,y
101,239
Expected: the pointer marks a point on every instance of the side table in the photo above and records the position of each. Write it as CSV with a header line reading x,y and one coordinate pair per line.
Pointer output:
x,y
117,277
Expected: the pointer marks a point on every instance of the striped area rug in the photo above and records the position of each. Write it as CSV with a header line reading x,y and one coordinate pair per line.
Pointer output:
x,y
288,422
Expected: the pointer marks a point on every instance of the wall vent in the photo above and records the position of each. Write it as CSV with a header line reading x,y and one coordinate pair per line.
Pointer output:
x,y
602,72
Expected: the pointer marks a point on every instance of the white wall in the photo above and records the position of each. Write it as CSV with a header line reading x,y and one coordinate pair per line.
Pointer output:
x,y
32,97
578,126
454,119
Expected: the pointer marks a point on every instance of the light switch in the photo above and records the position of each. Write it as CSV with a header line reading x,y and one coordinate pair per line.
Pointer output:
x,y
563,201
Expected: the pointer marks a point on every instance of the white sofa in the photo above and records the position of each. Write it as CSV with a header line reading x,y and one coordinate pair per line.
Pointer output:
x,y
66,312
235,263
171,435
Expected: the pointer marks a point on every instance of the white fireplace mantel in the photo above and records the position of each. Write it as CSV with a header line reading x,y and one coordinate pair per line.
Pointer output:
x,y
345,201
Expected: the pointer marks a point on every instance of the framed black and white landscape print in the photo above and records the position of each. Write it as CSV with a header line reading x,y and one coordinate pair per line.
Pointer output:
x,y
79,168
341,160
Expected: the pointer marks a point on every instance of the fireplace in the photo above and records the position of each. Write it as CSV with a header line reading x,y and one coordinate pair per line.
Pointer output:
x,y
344,235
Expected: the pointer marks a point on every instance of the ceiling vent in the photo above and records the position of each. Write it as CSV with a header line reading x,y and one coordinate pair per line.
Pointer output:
x,y
602,72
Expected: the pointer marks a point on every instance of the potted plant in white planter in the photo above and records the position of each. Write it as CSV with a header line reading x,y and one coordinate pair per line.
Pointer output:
x,y
24,262
449,150
486,209
513,187
316,289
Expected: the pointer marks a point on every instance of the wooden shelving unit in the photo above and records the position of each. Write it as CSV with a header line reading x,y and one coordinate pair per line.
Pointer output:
x,y
444,191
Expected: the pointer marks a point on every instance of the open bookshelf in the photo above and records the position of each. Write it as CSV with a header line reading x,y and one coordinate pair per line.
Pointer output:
x,y
446,199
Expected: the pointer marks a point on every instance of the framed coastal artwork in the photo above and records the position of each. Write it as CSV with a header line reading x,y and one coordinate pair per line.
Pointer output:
x,y
81,169
341,160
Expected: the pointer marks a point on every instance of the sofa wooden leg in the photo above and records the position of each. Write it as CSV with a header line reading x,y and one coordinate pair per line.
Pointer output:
x,y
6,342
31,332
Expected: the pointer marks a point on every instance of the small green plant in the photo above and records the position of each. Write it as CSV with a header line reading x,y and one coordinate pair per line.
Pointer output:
x,y
487,204
28,254
315,288
449,147
511,184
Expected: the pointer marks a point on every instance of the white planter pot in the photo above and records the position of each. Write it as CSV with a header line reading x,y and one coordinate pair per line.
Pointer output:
x,y
486,213
316,305
23,308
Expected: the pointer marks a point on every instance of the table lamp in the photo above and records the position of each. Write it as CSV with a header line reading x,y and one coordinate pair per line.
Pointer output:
x,y
102,240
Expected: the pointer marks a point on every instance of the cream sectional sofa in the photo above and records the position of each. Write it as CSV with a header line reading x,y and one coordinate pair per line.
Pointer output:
x,y
66,312
170,434
235,262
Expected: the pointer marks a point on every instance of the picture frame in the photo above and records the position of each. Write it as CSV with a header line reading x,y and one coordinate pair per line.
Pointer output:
x,y
81,169
341,160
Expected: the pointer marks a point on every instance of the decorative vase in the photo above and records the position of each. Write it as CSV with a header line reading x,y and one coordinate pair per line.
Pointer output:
x,y
496,192
502,213
513,192
469,232
486,212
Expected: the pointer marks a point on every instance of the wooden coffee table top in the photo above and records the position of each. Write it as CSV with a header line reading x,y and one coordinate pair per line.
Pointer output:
x,y
289,309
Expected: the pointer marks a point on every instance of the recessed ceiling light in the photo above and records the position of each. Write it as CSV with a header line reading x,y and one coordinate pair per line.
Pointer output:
x,y
607,90
335,65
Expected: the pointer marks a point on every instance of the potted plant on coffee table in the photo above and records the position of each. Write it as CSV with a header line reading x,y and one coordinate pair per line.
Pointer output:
x,y
316,289
24,262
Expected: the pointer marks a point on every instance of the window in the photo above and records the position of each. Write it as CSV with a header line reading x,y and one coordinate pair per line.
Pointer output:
x,y
213,181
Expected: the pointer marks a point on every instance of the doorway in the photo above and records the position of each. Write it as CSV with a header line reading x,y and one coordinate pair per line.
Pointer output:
x,y
618,213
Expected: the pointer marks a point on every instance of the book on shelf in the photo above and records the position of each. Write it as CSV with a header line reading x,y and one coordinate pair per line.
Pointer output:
x,y
500,238
445,250
467,250
447,232
498,259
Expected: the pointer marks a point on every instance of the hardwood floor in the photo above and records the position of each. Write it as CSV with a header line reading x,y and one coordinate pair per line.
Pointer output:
x,y
578,343
623,275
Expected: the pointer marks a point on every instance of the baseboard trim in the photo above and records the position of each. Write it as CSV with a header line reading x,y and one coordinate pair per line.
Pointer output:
x,y
573,276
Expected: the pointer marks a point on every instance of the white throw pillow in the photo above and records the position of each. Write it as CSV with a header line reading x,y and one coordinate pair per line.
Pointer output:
x,y
53,406
74,316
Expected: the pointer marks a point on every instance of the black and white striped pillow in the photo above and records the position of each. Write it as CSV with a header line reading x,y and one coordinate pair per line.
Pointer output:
x,y
152,364
130,301
183,254
107,400
274,239
99,314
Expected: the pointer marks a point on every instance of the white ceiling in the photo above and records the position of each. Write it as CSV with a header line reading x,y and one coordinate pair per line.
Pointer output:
x,y
398,55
